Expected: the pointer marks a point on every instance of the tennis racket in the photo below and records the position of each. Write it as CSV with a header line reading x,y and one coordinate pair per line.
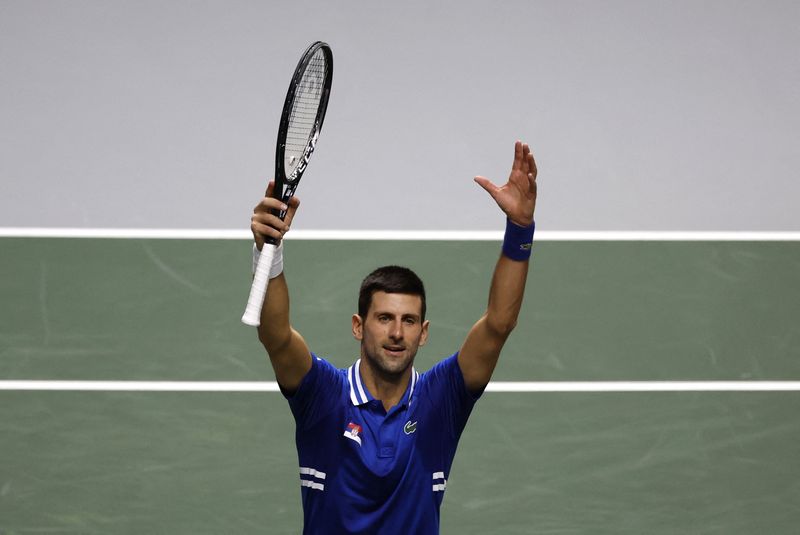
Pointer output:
x,y
301,122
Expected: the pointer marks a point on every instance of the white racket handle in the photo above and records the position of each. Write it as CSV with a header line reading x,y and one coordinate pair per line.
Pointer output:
x,y
258,290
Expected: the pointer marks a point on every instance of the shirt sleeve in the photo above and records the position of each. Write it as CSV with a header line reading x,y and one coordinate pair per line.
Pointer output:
x,y
445,387
317,394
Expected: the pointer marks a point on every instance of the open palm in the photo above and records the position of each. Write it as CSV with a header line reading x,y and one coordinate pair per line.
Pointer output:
x,y
517,197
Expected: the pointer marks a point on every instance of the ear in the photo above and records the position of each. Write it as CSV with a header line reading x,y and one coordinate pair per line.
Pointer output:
x,y
424,336
358,326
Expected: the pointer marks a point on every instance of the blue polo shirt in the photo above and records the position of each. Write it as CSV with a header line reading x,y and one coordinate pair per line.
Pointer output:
x,y
363,470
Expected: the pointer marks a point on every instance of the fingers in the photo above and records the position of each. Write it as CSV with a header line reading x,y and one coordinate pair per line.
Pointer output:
x,y
518,158
294,203
266,224
265,221
491,188
526,152
527,165
530,164
486,184
269,204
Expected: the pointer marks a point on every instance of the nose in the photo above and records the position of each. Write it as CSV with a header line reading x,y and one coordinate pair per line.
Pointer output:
x,y
396,332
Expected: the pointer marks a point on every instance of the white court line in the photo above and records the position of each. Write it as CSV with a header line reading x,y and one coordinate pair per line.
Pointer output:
x,y
387,235
143,386
495,386
645,386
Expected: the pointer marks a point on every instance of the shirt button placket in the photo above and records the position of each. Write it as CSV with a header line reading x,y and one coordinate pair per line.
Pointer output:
x,y
386,439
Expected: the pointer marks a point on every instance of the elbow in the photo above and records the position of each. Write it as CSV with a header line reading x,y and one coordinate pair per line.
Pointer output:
x,y
501,327
273,342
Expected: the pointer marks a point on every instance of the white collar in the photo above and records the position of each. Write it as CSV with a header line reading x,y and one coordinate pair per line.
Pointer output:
x,y
360,395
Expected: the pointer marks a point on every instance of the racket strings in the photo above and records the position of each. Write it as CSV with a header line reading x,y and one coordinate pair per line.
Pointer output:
x,y
305,108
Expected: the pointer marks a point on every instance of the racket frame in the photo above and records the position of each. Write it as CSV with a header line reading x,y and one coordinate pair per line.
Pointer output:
x,y
285,186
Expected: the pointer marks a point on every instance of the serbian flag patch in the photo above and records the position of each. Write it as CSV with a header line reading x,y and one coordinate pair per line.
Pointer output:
x,y
353,432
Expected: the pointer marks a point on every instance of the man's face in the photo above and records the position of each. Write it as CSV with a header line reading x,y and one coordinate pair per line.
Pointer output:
x,y
391,332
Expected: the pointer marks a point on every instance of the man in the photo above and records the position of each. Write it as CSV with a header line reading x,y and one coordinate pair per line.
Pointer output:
x,y
376,441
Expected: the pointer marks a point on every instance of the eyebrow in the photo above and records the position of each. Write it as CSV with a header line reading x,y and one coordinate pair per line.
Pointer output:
x,y
402,316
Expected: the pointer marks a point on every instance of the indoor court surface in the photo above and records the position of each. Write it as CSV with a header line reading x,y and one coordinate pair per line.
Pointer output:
x,y
710,459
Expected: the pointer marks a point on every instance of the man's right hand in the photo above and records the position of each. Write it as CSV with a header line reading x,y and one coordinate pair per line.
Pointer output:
x,y
264,221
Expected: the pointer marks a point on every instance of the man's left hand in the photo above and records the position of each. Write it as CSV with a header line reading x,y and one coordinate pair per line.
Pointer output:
x,y
517,198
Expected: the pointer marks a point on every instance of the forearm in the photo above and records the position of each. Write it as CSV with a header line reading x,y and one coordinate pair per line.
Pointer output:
x,y
510,275
506,295
479,354
275,330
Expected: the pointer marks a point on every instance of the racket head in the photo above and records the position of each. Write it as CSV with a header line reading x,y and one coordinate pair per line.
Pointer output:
x,y
300,125
302,117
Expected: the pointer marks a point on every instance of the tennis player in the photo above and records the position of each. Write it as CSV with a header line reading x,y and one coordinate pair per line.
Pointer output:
x,y
376,441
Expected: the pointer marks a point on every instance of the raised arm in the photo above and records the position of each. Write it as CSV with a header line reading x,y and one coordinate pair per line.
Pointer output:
x,y
288,352
517,198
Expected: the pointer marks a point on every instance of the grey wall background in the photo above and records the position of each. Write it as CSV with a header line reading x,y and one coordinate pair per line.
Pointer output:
x,y
644,115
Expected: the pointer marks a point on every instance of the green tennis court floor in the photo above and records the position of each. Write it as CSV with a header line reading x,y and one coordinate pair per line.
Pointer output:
x,y
532,462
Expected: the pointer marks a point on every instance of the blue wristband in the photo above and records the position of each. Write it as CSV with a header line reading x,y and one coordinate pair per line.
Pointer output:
x,y
518,241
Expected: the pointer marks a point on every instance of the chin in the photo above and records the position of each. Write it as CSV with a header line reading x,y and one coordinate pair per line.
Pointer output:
x,y
397,369
392,365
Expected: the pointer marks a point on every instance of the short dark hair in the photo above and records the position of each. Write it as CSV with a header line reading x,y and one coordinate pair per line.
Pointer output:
x,y
392,280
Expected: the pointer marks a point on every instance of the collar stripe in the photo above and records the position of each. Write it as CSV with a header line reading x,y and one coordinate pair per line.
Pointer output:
x,y
357,373
357,394
414,377
352,386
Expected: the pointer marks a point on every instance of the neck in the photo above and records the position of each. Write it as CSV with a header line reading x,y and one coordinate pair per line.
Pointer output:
x,y
388,388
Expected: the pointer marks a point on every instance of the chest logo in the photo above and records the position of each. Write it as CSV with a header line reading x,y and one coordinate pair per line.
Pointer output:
x,y
410,427
353,432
